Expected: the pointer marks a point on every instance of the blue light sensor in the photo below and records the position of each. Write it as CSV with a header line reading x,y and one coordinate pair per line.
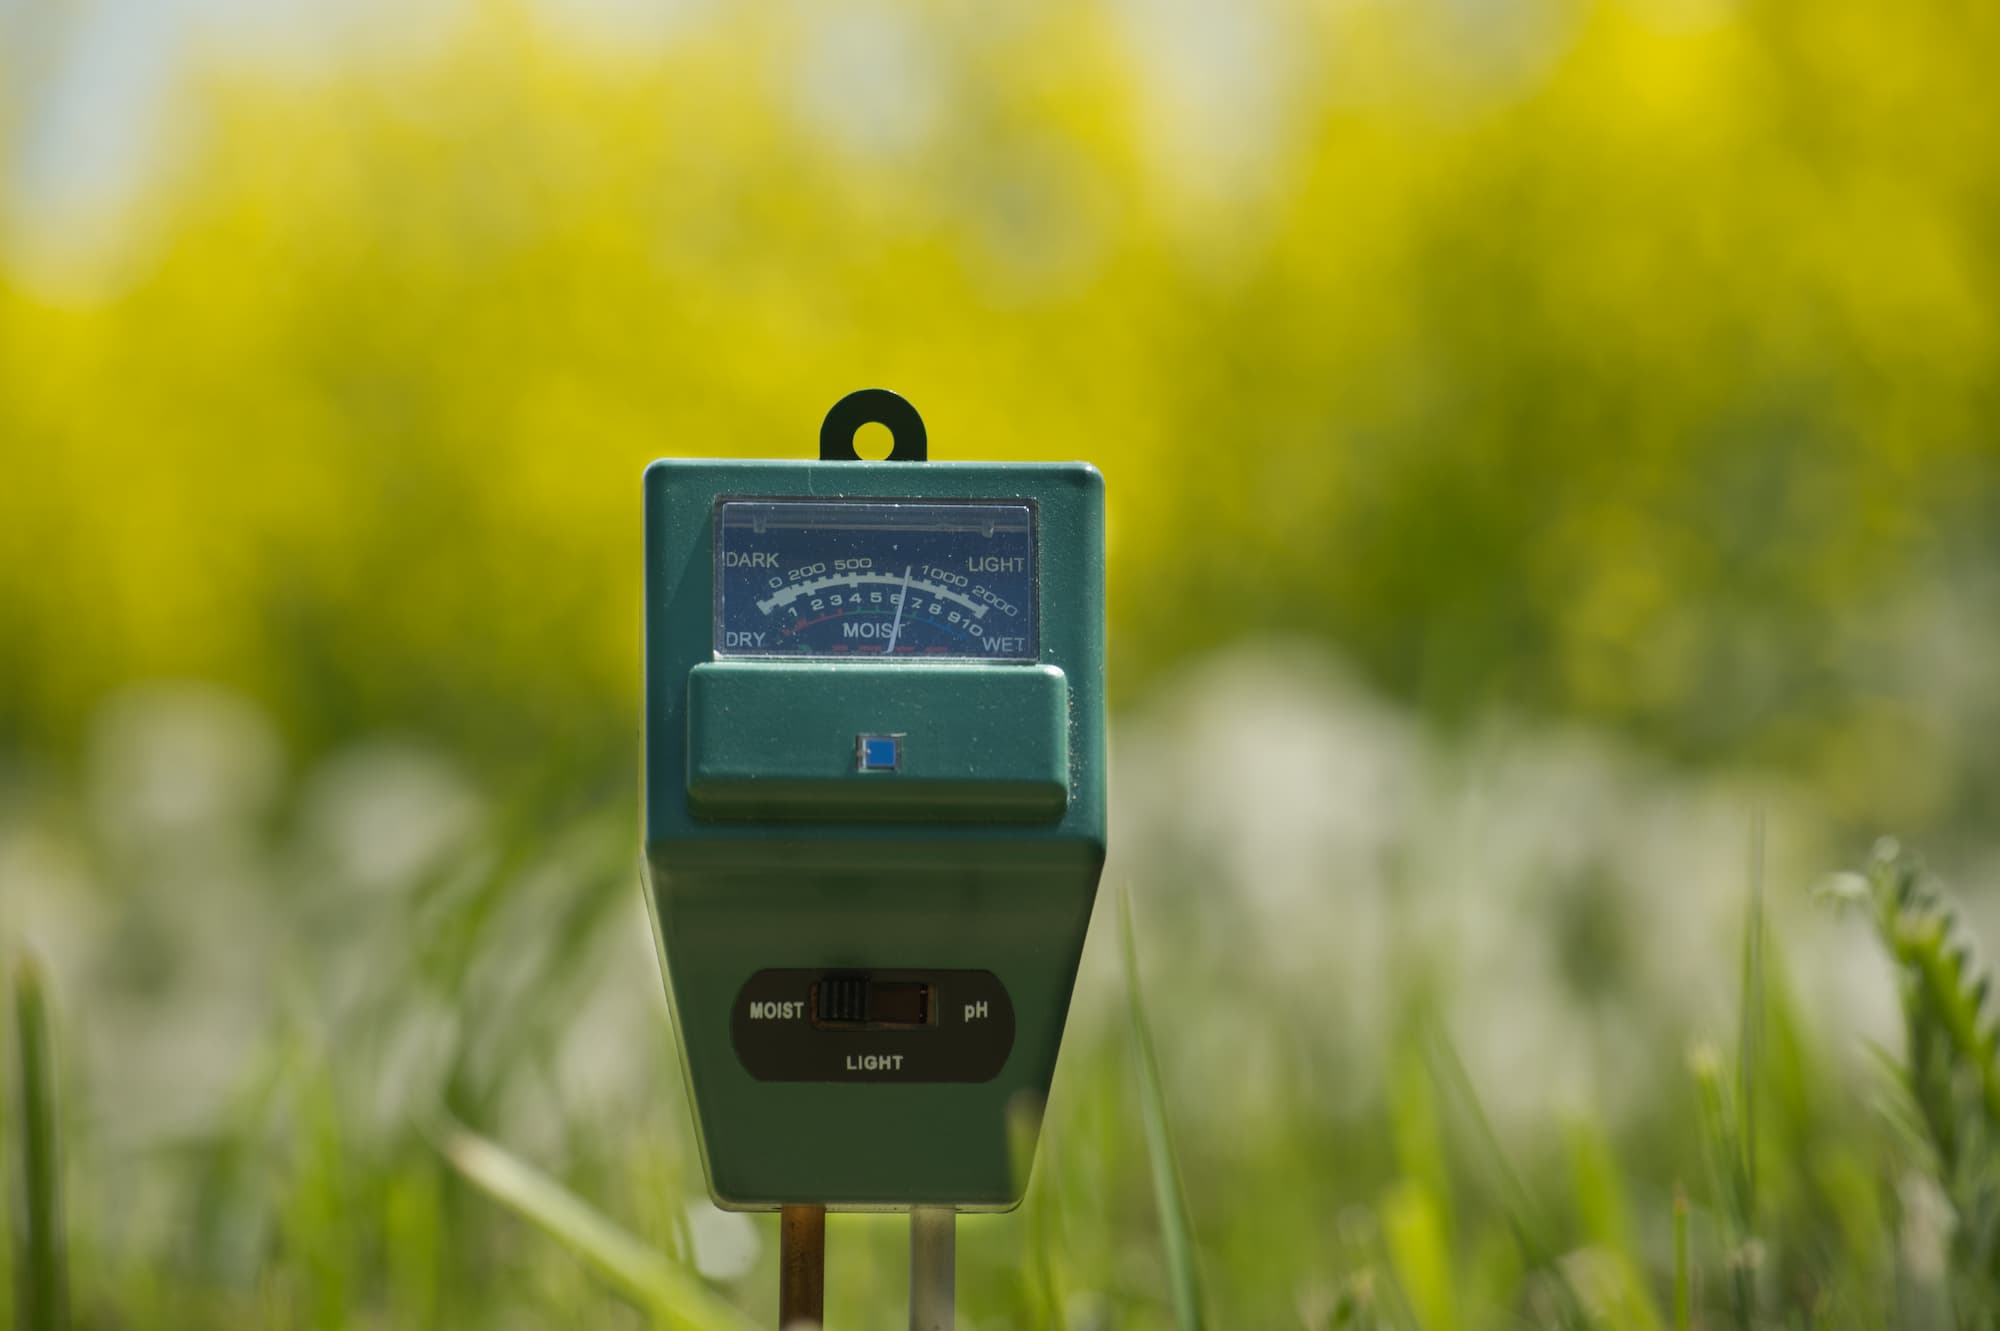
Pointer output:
x,y
878,753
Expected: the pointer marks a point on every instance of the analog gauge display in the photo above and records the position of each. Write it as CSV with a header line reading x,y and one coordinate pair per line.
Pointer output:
x,y
875,580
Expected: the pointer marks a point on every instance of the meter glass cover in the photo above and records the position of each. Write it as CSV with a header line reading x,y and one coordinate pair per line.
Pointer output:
x,y
871,581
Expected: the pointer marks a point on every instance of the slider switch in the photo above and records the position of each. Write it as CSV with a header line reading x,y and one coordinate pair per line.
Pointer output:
x,y
856,1000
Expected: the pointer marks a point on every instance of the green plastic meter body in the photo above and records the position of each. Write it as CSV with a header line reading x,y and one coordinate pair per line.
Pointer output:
x,y
874,811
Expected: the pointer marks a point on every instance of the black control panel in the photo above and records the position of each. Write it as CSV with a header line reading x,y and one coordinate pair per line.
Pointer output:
x,y
911,1026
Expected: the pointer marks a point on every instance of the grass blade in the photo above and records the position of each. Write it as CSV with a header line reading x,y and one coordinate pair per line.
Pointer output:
x,y
1418,1239
1749,1054
1418,1218
1683,1275
42,1285
1750,1042
673,1294
1042,1286
1534,1233
1176,1230
1523,1211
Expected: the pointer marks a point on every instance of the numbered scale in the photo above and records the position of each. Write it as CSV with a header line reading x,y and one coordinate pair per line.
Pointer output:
x,y
891,581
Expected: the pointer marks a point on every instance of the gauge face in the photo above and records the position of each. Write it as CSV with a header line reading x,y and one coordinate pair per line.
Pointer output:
x,y
872,580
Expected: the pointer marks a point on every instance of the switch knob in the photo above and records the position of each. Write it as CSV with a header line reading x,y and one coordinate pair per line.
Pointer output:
x,y
842,998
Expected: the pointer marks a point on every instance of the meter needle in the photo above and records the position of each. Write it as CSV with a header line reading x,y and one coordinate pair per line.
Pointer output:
x,y
896,624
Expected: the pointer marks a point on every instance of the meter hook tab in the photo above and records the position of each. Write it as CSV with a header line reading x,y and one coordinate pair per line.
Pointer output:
x,y
873,406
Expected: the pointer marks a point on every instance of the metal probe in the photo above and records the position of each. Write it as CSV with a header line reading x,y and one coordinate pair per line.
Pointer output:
x,y
802,1266
932,1242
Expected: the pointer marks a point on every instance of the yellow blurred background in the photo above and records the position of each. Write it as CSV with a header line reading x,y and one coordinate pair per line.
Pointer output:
x,y
1630,361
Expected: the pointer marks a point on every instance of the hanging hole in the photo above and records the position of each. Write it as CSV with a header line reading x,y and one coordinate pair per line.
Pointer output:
x,y
873,442
873,411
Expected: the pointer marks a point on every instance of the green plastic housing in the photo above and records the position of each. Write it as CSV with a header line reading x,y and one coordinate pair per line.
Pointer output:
x,y
767,849
775,741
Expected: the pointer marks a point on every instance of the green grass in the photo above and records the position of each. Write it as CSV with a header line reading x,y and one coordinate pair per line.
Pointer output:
x,y
1767,1192
1176,1226
666,1289
39,1274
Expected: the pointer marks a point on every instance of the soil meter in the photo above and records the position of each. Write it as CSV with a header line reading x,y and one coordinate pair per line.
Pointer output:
x,y
875,806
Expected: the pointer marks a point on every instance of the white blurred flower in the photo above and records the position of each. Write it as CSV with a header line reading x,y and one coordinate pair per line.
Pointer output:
x,y
1329,863
384,814
175,759
726,1243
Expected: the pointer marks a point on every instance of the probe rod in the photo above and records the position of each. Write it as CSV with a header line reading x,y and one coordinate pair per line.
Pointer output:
x,y
932,1240
802,1266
